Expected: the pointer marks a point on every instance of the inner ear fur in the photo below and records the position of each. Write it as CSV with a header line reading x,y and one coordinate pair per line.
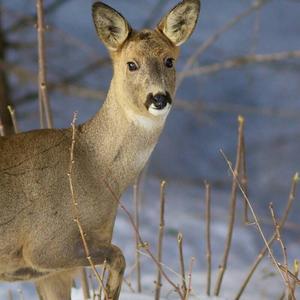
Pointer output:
x,y
180,22
112,28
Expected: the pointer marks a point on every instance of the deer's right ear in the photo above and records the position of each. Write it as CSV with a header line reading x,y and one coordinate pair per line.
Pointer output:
x,y
111,26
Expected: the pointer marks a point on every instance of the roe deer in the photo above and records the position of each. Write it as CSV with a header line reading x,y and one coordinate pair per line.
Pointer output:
x,y
39,239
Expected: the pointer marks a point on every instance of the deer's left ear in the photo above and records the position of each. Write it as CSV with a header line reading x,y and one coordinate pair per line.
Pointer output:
x,y
180,22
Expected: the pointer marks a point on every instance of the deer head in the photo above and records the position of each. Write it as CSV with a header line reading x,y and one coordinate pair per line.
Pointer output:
x,y
144,62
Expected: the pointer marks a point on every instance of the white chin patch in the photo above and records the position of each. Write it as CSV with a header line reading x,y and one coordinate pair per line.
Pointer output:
x,y
159,112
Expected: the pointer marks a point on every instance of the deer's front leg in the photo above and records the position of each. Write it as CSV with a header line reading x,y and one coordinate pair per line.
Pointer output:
x,y
75,257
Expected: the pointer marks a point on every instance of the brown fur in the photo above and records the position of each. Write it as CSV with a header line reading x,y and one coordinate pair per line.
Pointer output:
x,y
38,238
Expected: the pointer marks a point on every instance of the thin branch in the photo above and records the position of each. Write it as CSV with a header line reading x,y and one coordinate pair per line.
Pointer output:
x,y
181,263
128,283
13,118
85,284
1,128
232,209
296,274
153,14
104,269
244,179
76,209
208,235
91,283
136,200
189,290
284,253
160,239
262,253
5,89
211,40
241,61
30,20
45,111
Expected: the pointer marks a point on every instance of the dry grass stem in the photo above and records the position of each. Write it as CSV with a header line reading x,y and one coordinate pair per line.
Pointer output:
x,y
238,62
244,179
181,263
1,129
262,253
104,269
289,290
91,283
76,209
143,244
232,209
291,275
212,39
13,118
85,284
45,111
136,200
295,279
158,282
208,235
189,290
128,283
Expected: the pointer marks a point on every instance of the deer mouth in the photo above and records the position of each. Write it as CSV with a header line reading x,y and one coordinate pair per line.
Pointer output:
x,y
158,104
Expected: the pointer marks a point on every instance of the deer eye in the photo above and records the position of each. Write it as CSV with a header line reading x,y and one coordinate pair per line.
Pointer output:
x,y
169,62
132,66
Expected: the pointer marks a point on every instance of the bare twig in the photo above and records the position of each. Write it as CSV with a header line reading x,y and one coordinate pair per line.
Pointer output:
x,y
29,20
13,117
189,290
238,62
262,253
295,280
136,199
91,283
244,179
160,238
211,40
85,284
76,209
128,283
45,111
232,210
1,128
181,263
153,14
104,268
291,275
208,235
284,253
5,89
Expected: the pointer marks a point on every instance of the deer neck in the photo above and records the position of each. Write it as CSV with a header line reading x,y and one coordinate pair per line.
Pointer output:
x,y
119,141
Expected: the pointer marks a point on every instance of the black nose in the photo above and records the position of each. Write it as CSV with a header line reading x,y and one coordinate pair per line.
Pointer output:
x,y
159,100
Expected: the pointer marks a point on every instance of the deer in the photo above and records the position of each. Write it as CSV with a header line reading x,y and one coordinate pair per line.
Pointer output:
x,y
39,240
